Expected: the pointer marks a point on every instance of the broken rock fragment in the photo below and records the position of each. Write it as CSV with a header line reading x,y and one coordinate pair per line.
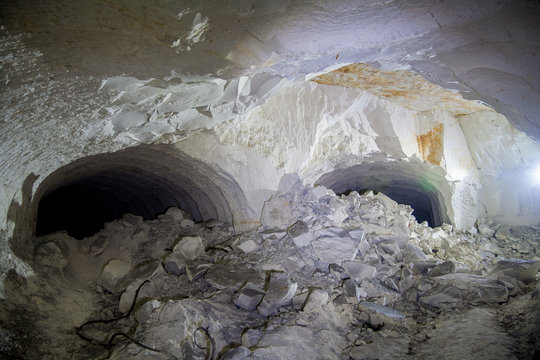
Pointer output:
x,y
186,251
237,353
456,290
413,253
446,267
350,291
316,301
334,245
187,224
248,246
279,293
196,272
140,289
98,246
189,247
231,276
483,228
406,280
359,271
338,272
390,246
375,289
112,273
365,352
522,270
50,254
378,315
248,297
174,266
175,214
300,234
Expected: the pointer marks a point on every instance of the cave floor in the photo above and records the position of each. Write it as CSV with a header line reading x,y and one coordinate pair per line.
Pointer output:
x,y
354,277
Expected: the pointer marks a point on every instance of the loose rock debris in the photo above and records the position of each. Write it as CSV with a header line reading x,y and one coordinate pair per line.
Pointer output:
x,y
315,281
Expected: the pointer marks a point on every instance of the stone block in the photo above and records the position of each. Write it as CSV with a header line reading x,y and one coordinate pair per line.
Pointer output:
x,y
381,315
50,254
359,271
279,293
232,276
112,273
447,267
522,270
248,297
333,245
459,289
189,247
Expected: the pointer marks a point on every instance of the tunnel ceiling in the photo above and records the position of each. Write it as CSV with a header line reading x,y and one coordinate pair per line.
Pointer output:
x,y
486,50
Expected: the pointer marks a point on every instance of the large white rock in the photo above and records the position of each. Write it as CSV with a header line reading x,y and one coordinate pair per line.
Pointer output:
x,y
334,245
189,247
113,272
359,271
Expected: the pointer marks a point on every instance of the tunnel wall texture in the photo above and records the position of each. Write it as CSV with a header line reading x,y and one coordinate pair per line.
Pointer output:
x,y
254,130
227,143
314,129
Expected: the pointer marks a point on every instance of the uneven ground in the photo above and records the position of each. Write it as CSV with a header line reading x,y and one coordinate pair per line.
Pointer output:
x,y
325,277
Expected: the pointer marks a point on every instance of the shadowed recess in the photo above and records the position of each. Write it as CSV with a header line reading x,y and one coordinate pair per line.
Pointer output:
x,y
81,197
406,183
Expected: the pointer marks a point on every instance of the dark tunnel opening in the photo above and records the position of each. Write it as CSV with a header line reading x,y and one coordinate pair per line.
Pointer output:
x,y
61,210
405,183
82,197
419,201
84,206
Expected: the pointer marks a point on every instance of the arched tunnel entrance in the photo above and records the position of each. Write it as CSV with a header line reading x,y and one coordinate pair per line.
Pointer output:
x,y
146,180
406,183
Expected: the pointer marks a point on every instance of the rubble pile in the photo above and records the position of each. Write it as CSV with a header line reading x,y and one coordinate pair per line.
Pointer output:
x,y
323,277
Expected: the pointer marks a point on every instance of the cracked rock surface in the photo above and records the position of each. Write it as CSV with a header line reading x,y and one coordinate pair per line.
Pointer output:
x,y
346,281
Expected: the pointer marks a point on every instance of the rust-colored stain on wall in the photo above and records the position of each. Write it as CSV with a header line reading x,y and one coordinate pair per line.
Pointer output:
x,y
367,77
402,87
430,145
